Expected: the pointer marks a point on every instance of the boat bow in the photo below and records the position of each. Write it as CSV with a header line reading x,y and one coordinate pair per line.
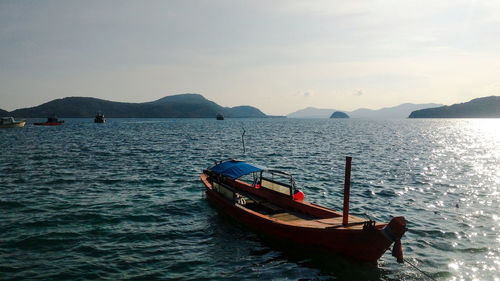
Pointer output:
x,y
393,232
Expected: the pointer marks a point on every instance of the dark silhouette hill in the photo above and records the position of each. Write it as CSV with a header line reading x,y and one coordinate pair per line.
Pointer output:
x,y
4,113
176,106
339,114
487,107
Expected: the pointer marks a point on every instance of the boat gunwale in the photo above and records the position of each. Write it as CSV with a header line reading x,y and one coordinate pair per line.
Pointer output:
x,y
317,224
48,123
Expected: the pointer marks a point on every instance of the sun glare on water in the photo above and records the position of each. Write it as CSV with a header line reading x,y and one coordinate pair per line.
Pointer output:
x,y
489,128
482,154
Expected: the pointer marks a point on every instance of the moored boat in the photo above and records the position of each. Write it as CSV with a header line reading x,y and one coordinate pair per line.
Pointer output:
x,y
219,116
10,122
99,118
269,202
51,121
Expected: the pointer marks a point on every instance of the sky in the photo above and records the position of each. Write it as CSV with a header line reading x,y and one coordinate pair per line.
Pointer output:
x,y
279,56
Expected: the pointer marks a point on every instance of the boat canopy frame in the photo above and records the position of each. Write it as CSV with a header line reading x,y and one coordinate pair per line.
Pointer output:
x,y
234,169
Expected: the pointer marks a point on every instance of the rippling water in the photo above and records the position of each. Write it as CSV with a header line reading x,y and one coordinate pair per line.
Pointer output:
x,y
123,200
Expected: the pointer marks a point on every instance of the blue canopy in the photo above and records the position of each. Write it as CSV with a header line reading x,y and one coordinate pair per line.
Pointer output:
x,y
235,169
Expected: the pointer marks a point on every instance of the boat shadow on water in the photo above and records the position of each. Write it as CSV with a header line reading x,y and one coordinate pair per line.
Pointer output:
x,y
267,250
330,265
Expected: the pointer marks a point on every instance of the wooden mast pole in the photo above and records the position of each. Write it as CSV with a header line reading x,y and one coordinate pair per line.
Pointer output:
x,y
347,187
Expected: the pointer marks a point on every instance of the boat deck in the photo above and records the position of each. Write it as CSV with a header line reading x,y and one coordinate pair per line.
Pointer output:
x,y
253,202
277,213
305,220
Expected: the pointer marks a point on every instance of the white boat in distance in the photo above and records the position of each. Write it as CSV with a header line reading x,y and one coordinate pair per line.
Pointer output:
x,y
9,122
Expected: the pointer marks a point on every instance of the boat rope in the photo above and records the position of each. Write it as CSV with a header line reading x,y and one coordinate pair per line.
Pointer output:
x,y
369,225
421,271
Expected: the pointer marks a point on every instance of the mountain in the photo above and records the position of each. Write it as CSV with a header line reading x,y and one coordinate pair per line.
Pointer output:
x,y
395,112
176,106
4,113
311,112
243,111
339,114
487,107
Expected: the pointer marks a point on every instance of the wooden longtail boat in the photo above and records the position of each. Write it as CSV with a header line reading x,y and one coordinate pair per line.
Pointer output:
x,y
268,201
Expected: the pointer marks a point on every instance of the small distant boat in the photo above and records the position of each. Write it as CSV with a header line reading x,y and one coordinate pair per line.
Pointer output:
x,y
51,121
219,116
268,201
9,122
99,118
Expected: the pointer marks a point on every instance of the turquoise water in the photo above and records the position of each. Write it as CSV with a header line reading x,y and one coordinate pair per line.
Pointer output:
x,y
123,200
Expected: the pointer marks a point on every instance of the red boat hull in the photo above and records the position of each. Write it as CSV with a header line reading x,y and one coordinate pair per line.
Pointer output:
x,y
49,123
358,243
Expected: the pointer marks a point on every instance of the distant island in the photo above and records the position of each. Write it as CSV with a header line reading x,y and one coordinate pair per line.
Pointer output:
x,y
396,112
339,114
175,106
311,112
487,107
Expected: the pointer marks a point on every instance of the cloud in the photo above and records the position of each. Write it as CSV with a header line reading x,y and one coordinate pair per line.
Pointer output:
x,y
358,92
308,93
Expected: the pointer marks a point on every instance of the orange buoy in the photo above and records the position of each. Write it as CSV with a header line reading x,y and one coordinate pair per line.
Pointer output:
x,y
299,195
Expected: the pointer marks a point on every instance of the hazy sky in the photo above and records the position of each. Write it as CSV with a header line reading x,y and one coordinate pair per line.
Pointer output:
x,y
279,56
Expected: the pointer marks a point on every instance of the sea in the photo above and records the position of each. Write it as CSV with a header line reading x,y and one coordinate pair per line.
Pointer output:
x,y
124,200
